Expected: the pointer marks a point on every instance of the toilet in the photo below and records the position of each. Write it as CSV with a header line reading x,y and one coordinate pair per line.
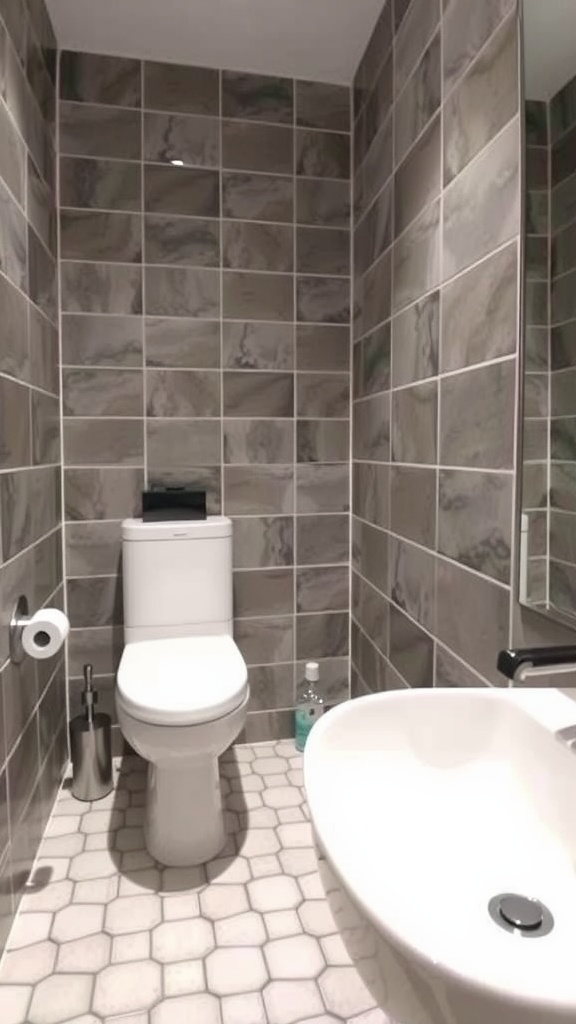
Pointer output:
x,y
182,685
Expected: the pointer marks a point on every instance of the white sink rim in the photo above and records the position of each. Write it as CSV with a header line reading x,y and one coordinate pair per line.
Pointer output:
x,y
549,709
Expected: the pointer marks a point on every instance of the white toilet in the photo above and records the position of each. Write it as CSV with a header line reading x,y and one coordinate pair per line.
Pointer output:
x,y
182,686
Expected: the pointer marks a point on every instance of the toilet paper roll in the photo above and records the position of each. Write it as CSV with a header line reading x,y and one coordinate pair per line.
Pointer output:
x,y
45,633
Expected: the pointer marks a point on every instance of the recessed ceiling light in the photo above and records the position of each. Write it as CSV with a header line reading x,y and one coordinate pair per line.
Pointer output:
x,y
177,163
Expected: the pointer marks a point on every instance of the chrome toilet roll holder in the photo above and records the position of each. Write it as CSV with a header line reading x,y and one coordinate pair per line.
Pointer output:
x,y
20,619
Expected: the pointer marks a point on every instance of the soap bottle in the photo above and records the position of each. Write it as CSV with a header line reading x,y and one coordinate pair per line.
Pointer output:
x,y
310,706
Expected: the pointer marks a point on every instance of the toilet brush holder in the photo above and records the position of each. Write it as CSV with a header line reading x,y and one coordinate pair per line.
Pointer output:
x,y
91,747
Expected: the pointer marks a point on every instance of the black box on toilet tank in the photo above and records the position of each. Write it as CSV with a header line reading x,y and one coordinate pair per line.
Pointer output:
x,y
172,504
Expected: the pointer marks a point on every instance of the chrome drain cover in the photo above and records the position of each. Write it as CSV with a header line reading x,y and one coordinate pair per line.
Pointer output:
x,y
521,915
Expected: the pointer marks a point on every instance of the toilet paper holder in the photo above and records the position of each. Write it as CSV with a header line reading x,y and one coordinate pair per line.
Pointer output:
x,y
20,617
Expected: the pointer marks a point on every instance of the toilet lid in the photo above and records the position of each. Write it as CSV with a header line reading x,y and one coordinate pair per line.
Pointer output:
x,y
183,681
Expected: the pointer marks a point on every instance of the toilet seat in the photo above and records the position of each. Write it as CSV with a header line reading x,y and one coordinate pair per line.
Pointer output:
x,y
182,681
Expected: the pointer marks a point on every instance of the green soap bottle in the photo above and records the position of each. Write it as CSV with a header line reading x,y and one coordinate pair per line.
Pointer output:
x,y
310,706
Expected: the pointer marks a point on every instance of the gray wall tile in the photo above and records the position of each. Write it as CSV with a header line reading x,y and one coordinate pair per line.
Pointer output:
x,y
256,147
249,246
101,288
257,97
323,106
194,140
414,413
413,503
99,131
484,101
276,474
91,78
258,296
182,342
482,206
257,197
475,520
258,394
489,328
182,190
180,88
179,291
477,418
182,393
182,240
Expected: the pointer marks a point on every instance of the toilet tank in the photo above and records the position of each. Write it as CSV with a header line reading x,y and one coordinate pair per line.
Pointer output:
x,y
177,578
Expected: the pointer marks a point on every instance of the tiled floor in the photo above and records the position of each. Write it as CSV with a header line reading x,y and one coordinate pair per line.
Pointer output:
x,y
106,934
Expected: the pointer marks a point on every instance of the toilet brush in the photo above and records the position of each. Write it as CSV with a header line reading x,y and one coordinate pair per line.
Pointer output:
x,y
90,747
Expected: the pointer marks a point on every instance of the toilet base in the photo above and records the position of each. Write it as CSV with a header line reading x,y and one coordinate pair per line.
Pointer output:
x,y
184,816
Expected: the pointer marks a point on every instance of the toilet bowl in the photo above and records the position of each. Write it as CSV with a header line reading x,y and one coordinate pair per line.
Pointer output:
x,y
182,685
180,704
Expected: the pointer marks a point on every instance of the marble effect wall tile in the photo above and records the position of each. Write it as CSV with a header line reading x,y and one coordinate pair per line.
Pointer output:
x,y
150,351
194,140
257,97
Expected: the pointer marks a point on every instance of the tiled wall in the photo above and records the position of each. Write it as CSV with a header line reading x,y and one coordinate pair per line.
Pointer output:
x,y
32,696
205,339
437,219
537,358
562,571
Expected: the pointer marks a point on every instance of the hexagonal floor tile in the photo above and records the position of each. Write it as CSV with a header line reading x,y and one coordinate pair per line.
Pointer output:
x,y
228,870
184,978
298,956
280,923
176,908
185,1009
133,914
289,1001
15,1000
29,929
298,861
242,930
29,965
316,917
93,865
182,940
223,901
274,893
61,997
84,955
296,835
126,988
131,947
283,796
270,766
77,921
235,970
244,1009
258,842
53,897
344,991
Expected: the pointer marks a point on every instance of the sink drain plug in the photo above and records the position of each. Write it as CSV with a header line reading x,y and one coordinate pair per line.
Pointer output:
x,y
526,917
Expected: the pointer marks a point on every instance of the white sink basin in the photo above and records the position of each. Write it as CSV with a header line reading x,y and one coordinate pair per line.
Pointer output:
x,y
425,806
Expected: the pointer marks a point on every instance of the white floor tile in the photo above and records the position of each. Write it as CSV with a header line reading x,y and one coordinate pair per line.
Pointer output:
x,y
248,939
184,978
188,1010
123,988
289,1001
243,930
232,971
245,1009
182,940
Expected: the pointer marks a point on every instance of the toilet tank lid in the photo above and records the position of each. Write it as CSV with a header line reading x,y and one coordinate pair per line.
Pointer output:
x,y
186,529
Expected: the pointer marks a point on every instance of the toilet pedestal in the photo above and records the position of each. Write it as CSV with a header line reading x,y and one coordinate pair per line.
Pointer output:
x,y
184,816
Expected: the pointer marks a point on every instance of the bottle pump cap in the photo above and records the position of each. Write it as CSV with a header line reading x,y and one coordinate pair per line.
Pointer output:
x,y
312,671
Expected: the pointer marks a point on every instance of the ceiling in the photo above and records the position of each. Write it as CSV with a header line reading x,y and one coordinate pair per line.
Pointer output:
x,y
550,46
316,39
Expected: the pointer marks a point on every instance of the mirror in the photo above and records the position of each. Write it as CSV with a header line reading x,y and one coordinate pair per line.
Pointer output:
x,y
548,527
